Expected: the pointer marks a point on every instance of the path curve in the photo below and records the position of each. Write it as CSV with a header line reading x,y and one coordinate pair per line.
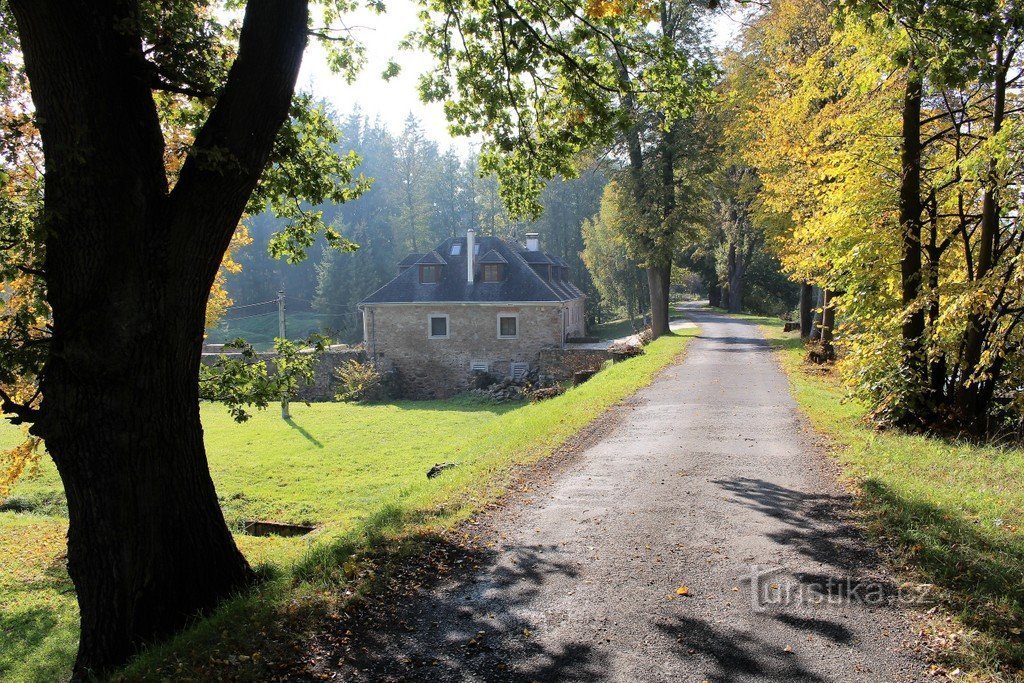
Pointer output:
x,y
706,476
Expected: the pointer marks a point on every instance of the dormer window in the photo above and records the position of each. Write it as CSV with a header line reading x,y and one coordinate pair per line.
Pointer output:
x,y
493,272
430,275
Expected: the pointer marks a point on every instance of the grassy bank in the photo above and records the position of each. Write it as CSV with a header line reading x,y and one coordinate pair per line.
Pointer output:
x,y
952,513
357,473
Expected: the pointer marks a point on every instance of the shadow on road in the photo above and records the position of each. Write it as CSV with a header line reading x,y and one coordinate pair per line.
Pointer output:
x,y
470,623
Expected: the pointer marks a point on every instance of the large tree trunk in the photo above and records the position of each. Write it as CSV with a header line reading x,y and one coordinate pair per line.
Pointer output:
x,y
910,216
806,310
147,542
129,266
658,280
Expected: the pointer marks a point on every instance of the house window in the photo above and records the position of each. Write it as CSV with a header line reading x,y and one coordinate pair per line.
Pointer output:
x,y
430,275
508,326
437,326
492,272
456,249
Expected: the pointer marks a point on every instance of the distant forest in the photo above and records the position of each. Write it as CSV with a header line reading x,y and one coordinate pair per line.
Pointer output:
x,y
420,196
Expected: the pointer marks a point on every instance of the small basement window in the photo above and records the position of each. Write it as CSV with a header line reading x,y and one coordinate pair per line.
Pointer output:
x,y
492,272
430,275
437,326
508,326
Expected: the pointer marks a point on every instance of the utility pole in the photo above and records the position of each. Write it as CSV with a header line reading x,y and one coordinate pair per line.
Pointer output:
x,y
282,332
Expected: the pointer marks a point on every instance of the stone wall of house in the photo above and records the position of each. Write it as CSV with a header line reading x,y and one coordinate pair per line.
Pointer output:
x,y
562,364
324,385
398,334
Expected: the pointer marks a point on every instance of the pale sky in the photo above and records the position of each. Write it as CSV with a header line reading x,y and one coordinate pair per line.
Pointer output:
x,y
393,100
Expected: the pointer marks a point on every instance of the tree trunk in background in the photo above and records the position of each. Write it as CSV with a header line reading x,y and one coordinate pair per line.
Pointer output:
x,y
735,264
129,267
658,280
714,295
910,216
828,323
816,321
806,313
972,398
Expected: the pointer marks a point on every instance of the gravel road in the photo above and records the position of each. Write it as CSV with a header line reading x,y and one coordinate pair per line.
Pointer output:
x,y
705,478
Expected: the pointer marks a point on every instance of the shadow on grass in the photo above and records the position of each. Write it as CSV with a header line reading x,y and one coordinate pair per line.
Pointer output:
x,y
981,573
305,434
356,606
461,403
35,645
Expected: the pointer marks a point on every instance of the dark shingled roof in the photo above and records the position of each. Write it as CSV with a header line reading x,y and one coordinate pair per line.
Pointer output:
x,y
535,257
409,260
521,283
431,259
492,257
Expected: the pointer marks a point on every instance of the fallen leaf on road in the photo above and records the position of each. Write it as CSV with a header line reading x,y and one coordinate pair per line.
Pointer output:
x,y
788,649
683,590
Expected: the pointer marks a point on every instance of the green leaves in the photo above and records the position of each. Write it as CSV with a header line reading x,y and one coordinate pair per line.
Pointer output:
x,y
542,82
307,170
245,380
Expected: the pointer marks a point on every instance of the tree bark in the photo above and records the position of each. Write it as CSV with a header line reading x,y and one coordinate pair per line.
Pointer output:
x,y
658,281
129,267
714,295
806,310
817,321
735,269
910,216
828,323
972,399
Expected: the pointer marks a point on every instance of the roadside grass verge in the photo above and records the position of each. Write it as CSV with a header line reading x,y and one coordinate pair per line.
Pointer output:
x,y
952,514
623,327
357,473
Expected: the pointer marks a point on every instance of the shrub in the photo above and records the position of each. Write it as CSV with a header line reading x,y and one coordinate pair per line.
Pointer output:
x,y
360,383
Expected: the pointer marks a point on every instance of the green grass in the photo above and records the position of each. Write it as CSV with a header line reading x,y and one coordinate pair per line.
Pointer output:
x,y
623,327
614,329
952,513
356,472
261,330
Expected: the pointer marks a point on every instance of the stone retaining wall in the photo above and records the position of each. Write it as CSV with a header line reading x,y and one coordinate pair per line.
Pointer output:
x,y
324,384
561,364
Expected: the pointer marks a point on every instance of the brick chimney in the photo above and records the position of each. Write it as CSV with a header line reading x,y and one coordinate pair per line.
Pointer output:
x,y
532,241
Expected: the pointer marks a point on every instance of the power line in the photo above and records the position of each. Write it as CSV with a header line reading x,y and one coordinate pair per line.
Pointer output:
x,y
245,317
259,303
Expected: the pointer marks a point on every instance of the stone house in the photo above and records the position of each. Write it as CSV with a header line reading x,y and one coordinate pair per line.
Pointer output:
x,y
472,303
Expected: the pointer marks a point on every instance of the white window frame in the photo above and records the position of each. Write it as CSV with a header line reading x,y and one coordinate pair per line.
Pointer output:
x,y
447,326
498,324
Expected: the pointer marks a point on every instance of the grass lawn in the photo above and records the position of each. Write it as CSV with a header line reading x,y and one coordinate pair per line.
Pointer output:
x,y
355,472
953,514
261,329
623,327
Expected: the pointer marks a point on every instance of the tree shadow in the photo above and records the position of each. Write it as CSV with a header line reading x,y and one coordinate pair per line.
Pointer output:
x,y
734,656
462,614
978,572
460,403
305,434
817,525
981,571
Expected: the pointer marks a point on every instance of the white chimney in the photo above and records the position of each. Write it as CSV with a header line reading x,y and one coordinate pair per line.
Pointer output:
x,y
532,241
470,247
